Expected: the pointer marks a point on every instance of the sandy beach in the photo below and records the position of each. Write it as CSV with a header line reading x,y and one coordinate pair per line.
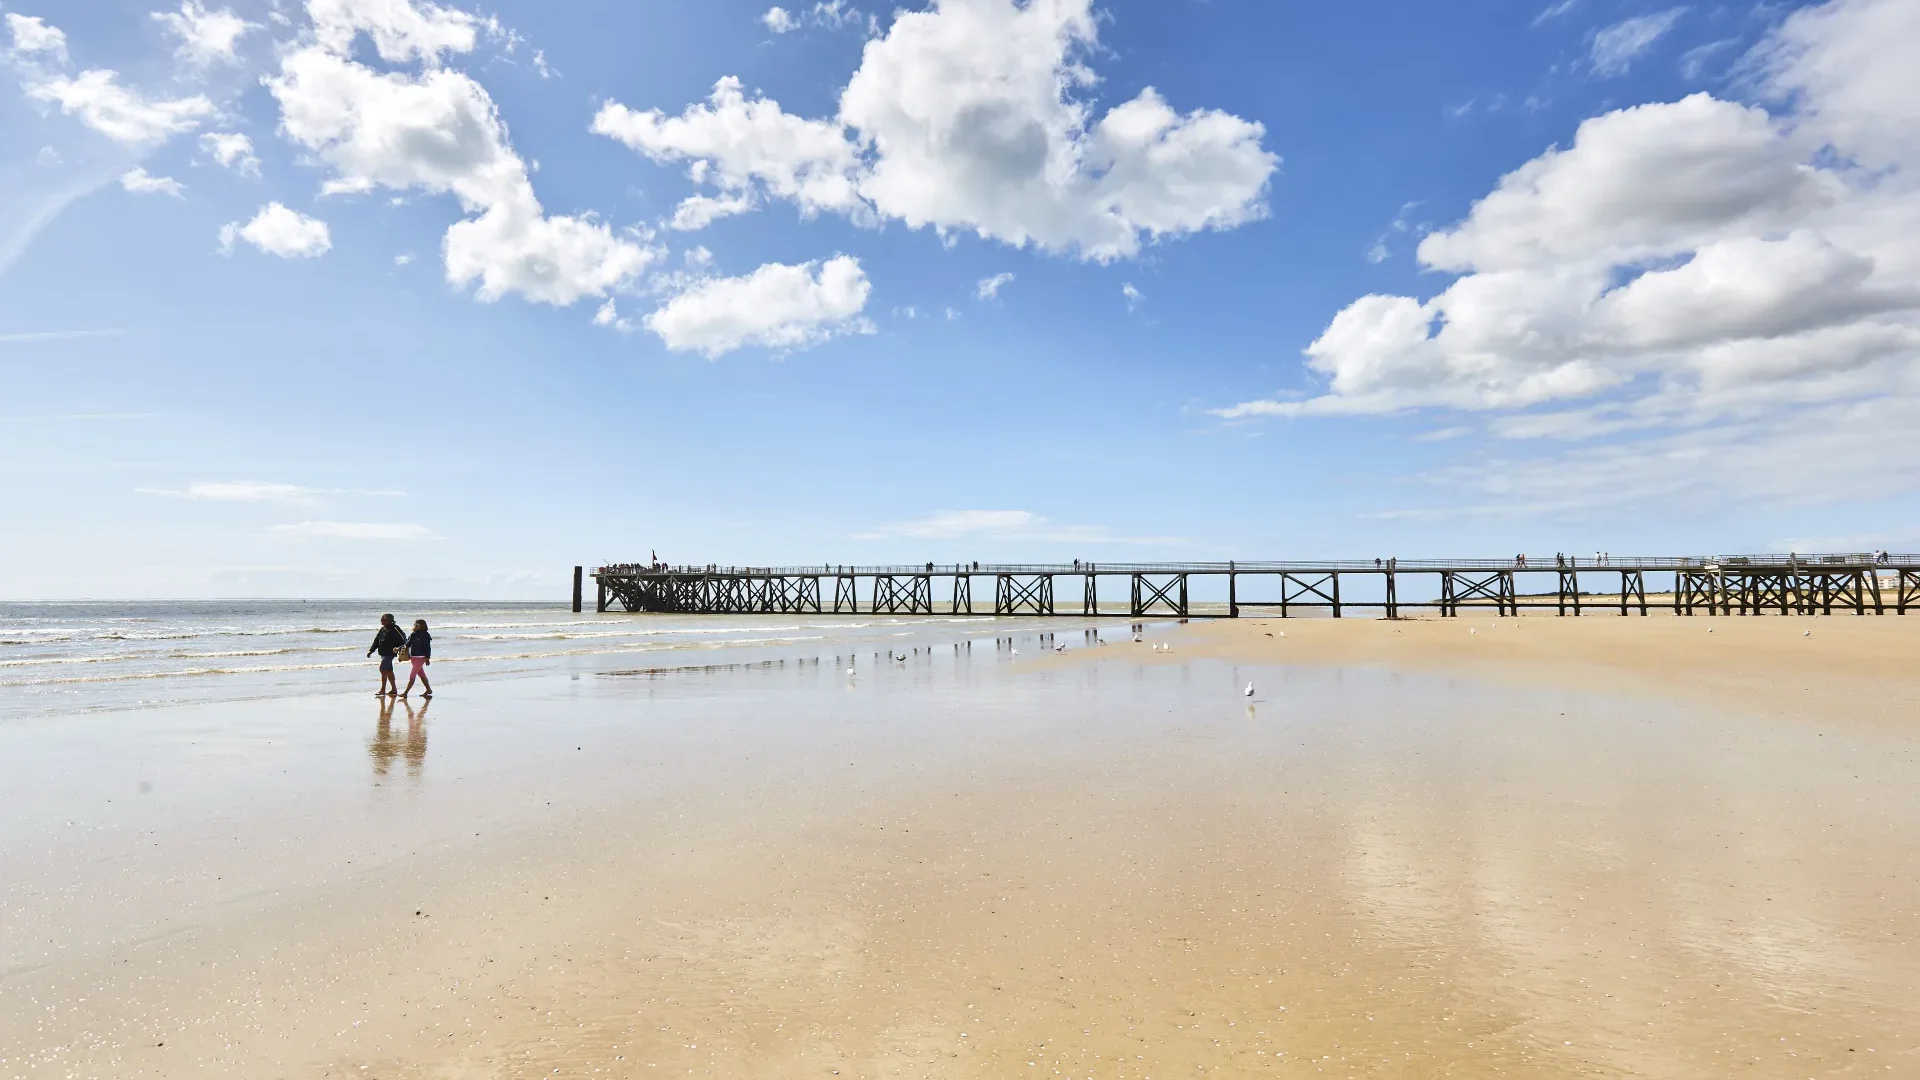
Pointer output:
x,y
1560,848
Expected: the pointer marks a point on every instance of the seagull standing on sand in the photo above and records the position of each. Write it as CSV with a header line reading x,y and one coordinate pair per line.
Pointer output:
x,y
1249,689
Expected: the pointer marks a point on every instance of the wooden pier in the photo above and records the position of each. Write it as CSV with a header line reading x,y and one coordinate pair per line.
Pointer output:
x,y
1694,585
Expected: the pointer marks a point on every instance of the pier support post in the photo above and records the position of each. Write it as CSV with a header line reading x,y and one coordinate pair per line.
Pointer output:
x,y
1233,592
1147,593
962,594
1393,598
1015,594
1090,605
579,574
1633,584
1336,593
905,594
1569,590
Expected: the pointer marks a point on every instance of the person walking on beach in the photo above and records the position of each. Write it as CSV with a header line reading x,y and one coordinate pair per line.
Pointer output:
x,y
385,641
419,650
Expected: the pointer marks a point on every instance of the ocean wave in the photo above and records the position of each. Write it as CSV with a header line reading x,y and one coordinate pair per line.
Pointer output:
x,y
188,673
39,661
155,655
202,672
238,652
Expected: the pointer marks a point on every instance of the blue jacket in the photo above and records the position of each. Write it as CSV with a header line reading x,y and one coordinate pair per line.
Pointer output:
x,y
420,644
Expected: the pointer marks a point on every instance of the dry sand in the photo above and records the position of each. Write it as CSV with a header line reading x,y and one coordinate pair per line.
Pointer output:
x,y
1546,849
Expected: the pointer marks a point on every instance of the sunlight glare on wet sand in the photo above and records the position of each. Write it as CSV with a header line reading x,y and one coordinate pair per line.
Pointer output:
x,y
960,866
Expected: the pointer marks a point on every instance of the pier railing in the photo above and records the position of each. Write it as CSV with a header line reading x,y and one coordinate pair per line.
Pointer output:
x,y
1522,563
1771,583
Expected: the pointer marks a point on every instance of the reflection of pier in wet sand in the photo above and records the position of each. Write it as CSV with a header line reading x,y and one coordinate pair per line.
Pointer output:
x,y
1687,585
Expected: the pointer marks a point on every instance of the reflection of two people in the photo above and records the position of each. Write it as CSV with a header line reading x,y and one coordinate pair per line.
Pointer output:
x,y
387,744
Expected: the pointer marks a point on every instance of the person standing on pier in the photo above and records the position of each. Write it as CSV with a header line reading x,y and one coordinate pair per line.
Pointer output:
x,y
386,641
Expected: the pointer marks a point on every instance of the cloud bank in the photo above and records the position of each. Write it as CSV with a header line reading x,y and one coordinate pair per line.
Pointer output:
x,y
971,117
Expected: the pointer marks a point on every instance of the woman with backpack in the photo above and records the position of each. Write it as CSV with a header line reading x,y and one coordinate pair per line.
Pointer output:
x,y
386,641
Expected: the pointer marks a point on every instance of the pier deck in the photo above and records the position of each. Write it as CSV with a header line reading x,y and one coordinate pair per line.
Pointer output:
x,y
1793,584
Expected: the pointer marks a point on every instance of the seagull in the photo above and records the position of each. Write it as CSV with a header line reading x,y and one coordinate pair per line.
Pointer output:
x,y
849,673
1470,630
1249,689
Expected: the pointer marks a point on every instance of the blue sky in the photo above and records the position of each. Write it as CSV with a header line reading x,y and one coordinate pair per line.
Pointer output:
x,y
379,297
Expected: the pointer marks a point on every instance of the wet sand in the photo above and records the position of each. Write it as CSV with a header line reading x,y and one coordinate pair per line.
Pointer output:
x,y
1841,668
1395,860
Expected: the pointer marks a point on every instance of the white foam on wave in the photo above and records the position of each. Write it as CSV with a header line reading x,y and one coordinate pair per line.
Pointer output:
x,y
201,672
40,661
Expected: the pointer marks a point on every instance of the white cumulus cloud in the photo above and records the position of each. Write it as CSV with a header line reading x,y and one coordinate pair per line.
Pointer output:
x,y
141,182
232,150
737,143
121,114
699,211
33,37
1642,182
205,36
277,230
437,130
401,30
972,117
990,287
777,307
830,14
1680,269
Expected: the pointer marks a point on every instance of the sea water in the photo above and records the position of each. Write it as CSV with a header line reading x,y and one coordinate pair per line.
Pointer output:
x,y
81,656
